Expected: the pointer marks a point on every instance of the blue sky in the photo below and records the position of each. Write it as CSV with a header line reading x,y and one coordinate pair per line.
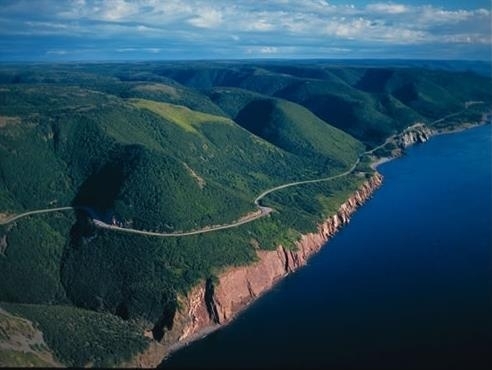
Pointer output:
x,y
64,30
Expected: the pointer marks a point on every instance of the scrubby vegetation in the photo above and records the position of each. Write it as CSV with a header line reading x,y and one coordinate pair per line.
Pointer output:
x,y
79,337
176,147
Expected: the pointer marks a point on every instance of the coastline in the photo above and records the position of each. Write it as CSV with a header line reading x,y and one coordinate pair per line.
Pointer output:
x,y
318,317
238,287
486,120
192,338
198,332
374,165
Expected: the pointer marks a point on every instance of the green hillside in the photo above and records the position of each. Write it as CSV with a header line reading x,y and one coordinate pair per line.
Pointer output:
x,y
369,103
290,127
175,147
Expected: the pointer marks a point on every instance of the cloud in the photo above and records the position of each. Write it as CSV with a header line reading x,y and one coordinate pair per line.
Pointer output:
x,y
111,11
208,18
223,27
387,8
261,25
268,50
364,29
118,9
57,52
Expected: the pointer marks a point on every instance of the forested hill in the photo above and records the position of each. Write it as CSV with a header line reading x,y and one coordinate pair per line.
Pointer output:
x,y
176,147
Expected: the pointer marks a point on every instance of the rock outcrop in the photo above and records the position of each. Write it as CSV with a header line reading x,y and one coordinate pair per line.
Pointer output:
x,y
418,133
203,310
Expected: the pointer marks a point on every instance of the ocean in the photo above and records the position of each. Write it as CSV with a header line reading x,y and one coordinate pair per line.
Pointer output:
x,y
407,284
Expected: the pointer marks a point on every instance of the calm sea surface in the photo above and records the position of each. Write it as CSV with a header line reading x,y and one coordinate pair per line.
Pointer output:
x,y
407,284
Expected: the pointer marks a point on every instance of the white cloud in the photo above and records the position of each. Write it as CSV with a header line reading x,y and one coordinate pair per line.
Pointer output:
x,y
142,28
431,15
264,27
363,29
468,39
208,18
262,50
387,8
118,9
57,52
268,50
278,18
126,50
261,25
131,50
111,10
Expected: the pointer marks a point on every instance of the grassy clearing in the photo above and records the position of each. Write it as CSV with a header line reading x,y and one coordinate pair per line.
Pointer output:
x,y
182,116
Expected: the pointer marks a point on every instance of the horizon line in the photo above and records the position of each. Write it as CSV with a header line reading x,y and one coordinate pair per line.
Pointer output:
x,y
266,59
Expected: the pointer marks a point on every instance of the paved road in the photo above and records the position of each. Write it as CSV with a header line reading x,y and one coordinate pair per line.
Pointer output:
x,y
264,211
266,192
379,146
38,211
207,229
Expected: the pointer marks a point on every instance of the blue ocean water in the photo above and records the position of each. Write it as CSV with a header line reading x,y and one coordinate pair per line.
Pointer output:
x,y
407,284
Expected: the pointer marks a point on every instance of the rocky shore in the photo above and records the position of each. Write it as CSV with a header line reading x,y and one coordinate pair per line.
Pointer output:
x,y
210,305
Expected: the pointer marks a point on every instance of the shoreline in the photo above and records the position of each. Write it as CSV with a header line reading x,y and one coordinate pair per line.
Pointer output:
x,y
374,165
467,126
446,145
339,219
204,332
192,338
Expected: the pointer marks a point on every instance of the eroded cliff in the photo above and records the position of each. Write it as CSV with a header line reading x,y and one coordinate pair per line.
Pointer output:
x,y
207,306
417,133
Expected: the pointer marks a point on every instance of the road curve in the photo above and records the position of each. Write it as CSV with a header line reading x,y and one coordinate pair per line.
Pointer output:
x,y
264,211
207,229
266,192
29,213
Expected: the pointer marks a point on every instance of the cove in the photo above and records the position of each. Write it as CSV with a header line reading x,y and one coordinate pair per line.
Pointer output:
x,y
407,284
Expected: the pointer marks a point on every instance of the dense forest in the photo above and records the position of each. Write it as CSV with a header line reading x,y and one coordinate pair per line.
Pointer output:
x,y
175,147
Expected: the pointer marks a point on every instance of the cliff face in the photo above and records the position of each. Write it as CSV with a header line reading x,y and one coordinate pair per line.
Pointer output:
x,y
418,133
208,306
239,286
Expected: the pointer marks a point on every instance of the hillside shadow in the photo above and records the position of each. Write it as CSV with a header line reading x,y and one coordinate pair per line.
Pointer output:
x,y
99,191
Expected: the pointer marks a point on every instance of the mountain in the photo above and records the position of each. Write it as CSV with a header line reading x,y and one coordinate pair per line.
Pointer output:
x,y
288,126
368,102
177,147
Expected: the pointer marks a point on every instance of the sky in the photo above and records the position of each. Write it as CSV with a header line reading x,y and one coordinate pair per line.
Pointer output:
x,y
93,30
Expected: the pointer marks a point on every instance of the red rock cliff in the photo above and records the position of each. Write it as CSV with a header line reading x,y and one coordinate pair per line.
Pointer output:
x,y
239,286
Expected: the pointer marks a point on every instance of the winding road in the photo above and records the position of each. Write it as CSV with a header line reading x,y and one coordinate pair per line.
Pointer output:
x,y
288,185
262,210
38,211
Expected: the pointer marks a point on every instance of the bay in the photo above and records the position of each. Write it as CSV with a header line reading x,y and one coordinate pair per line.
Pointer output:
x,y
407,284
